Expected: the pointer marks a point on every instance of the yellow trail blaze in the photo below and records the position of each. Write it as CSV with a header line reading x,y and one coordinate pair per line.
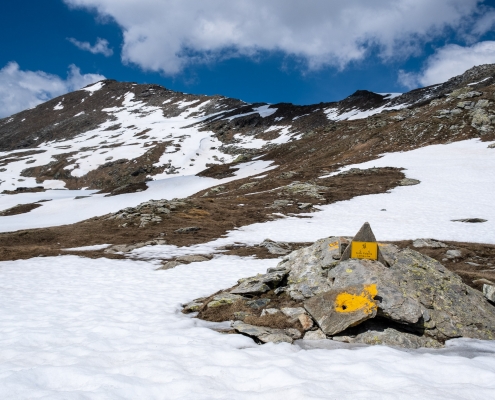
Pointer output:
x,y
347,302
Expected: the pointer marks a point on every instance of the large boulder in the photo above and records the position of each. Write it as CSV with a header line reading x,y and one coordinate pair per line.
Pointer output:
x,y
408,300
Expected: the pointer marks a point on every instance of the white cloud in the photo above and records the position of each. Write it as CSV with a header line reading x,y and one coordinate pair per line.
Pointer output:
x,y
449,61
100,47
167,35
24,89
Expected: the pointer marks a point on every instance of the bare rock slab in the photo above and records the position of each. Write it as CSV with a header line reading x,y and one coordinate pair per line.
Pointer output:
x,y
337,310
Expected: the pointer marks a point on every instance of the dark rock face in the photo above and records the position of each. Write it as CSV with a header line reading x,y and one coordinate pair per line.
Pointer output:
x,y
413,301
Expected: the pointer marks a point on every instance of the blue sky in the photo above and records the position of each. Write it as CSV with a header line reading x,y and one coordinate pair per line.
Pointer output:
x,y
279,51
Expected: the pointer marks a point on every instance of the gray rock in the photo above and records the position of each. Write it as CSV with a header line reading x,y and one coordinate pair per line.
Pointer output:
x,y
241,315
294,312
257,303
469,95
453,254
281,248
188,229
489,292
192,258
483,103
491,146
314,335
270,311
260,283
168,265
417,301
409,182
266,335
277,204
306,189
470,220
308,267
304,206
428,243
336,310
224,299
193,306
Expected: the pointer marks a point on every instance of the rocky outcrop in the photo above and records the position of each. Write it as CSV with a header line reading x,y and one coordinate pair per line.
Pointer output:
x,y
409,300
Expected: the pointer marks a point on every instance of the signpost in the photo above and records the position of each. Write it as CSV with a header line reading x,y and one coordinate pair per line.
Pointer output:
x,y
364,246
364,250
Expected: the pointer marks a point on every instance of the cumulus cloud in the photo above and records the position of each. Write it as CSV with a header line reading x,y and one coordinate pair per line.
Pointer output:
x,y
168,35
449,61
100,47
24,89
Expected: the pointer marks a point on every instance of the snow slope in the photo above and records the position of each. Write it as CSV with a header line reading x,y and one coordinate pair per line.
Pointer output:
x,y
63,207
76,328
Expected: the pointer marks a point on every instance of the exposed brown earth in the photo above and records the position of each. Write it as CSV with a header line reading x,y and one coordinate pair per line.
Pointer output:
x,y
19,209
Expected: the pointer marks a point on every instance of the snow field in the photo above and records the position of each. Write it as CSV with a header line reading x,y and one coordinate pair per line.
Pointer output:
x,y
77,328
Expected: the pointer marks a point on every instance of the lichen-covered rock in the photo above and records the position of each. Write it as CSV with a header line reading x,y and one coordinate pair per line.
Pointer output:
x,y
308,267
192,306
408,300
223,299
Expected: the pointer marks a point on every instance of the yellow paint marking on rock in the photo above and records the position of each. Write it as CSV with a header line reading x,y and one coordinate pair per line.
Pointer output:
x,y
348,270
333,245
364,250
347,302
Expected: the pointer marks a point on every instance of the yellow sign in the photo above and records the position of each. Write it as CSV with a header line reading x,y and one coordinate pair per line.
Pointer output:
x,y
366,250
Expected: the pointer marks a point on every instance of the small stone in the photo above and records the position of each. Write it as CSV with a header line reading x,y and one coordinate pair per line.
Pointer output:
x,y
192,258
168,265
428,243
409,182
241,315
258,303
188,229
293,312
193,306
270,311
306,321
224,299
453,253
489,292
304,206
314,335
275,338
281,248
